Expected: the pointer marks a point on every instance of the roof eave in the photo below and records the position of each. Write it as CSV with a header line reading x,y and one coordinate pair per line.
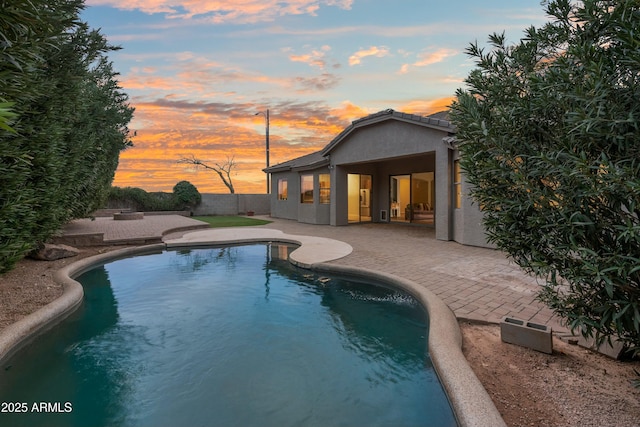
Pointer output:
x,y
276,168
316,165
288,168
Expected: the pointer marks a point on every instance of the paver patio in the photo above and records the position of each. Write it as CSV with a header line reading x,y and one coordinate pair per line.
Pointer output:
x,y
476,283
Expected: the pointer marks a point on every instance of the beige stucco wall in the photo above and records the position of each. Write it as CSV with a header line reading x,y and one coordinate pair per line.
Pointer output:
x,y
386,140
292,208
287,209
468,228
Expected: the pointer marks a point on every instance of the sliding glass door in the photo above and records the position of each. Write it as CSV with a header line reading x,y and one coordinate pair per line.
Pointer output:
x,y
400,187
411,198
359,197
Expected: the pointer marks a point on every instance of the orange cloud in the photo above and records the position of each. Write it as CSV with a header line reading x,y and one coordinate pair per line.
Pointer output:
x,y
169,129
224,11
379,52
314,59
198,77
428,58
427,107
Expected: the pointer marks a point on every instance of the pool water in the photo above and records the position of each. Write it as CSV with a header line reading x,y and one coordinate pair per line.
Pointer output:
x,y
229,336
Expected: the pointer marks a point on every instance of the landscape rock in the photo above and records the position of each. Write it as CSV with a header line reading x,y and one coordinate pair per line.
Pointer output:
x,y
51,252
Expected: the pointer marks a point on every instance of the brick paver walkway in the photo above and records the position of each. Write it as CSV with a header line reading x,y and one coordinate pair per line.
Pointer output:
x,y
476,283
151,228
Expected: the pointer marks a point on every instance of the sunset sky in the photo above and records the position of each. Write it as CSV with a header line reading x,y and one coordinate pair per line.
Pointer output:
x,y
197,72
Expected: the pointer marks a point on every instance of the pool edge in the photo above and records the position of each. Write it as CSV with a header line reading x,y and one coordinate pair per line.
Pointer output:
x,y
470,402
17,335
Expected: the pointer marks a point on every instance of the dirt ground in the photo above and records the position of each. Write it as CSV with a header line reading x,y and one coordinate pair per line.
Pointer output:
x,y
571,387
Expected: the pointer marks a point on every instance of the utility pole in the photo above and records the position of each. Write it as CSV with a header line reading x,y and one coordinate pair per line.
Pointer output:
x,y
266,117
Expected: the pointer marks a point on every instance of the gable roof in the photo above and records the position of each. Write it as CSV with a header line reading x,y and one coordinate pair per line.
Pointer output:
x,y
438,121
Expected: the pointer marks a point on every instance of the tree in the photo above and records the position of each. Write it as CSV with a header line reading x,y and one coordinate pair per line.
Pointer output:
x,y
187,194
65,121
549,133
222,169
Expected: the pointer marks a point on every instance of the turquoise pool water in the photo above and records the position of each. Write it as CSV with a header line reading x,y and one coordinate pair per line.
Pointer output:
x,y
231,336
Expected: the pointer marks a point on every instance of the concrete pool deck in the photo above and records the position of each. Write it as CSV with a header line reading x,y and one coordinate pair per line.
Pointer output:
x,y
472,283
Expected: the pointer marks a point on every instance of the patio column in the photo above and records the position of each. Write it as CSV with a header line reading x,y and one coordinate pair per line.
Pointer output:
x,y
444,207
338,210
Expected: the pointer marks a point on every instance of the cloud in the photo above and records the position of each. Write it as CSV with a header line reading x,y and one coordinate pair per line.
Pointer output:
x,y
137,37
319,83
407,32
313,59
427,58
186,75
425,107
183,75
316,61
379,52
225,11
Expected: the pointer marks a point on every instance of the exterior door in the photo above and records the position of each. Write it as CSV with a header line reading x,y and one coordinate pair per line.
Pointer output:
x,y
400,197
412,197
359,197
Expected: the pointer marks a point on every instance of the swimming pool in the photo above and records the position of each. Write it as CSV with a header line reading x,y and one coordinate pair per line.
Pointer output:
x,y
230,336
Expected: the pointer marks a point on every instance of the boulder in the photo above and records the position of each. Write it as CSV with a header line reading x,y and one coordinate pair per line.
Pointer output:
x,y
51,252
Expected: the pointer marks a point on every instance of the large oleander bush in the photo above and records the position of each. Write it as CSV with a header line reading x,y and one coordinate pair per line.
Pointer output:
x,y
549,131
63,121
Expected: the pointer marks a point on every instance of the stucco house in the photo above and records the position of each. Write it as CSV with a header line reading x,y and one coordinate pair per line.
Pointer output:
x,y
385,167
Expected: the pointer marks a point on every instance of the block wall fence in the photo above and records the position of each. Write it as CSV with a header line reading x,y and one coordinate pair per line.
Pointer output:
x,y
233,204
212,204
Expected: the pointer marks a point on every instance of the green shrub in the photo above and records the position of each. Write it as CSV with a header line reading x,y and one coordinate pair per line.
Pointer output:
x,y
549,135
68,122
187,194
140,200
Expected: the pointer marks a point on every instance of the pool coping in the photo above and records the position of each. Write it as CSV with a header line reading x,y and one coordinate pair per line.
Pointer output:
x,y
470,402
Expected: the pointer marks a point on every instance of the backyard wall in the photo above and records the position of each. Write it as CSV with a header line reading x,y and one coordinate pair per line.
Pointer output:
x,y
233,204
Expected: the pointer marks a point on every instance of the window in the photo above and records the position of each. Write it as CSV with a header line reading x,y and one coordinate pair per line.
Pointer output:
x,y
282,189
306,189
325,188
457,184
